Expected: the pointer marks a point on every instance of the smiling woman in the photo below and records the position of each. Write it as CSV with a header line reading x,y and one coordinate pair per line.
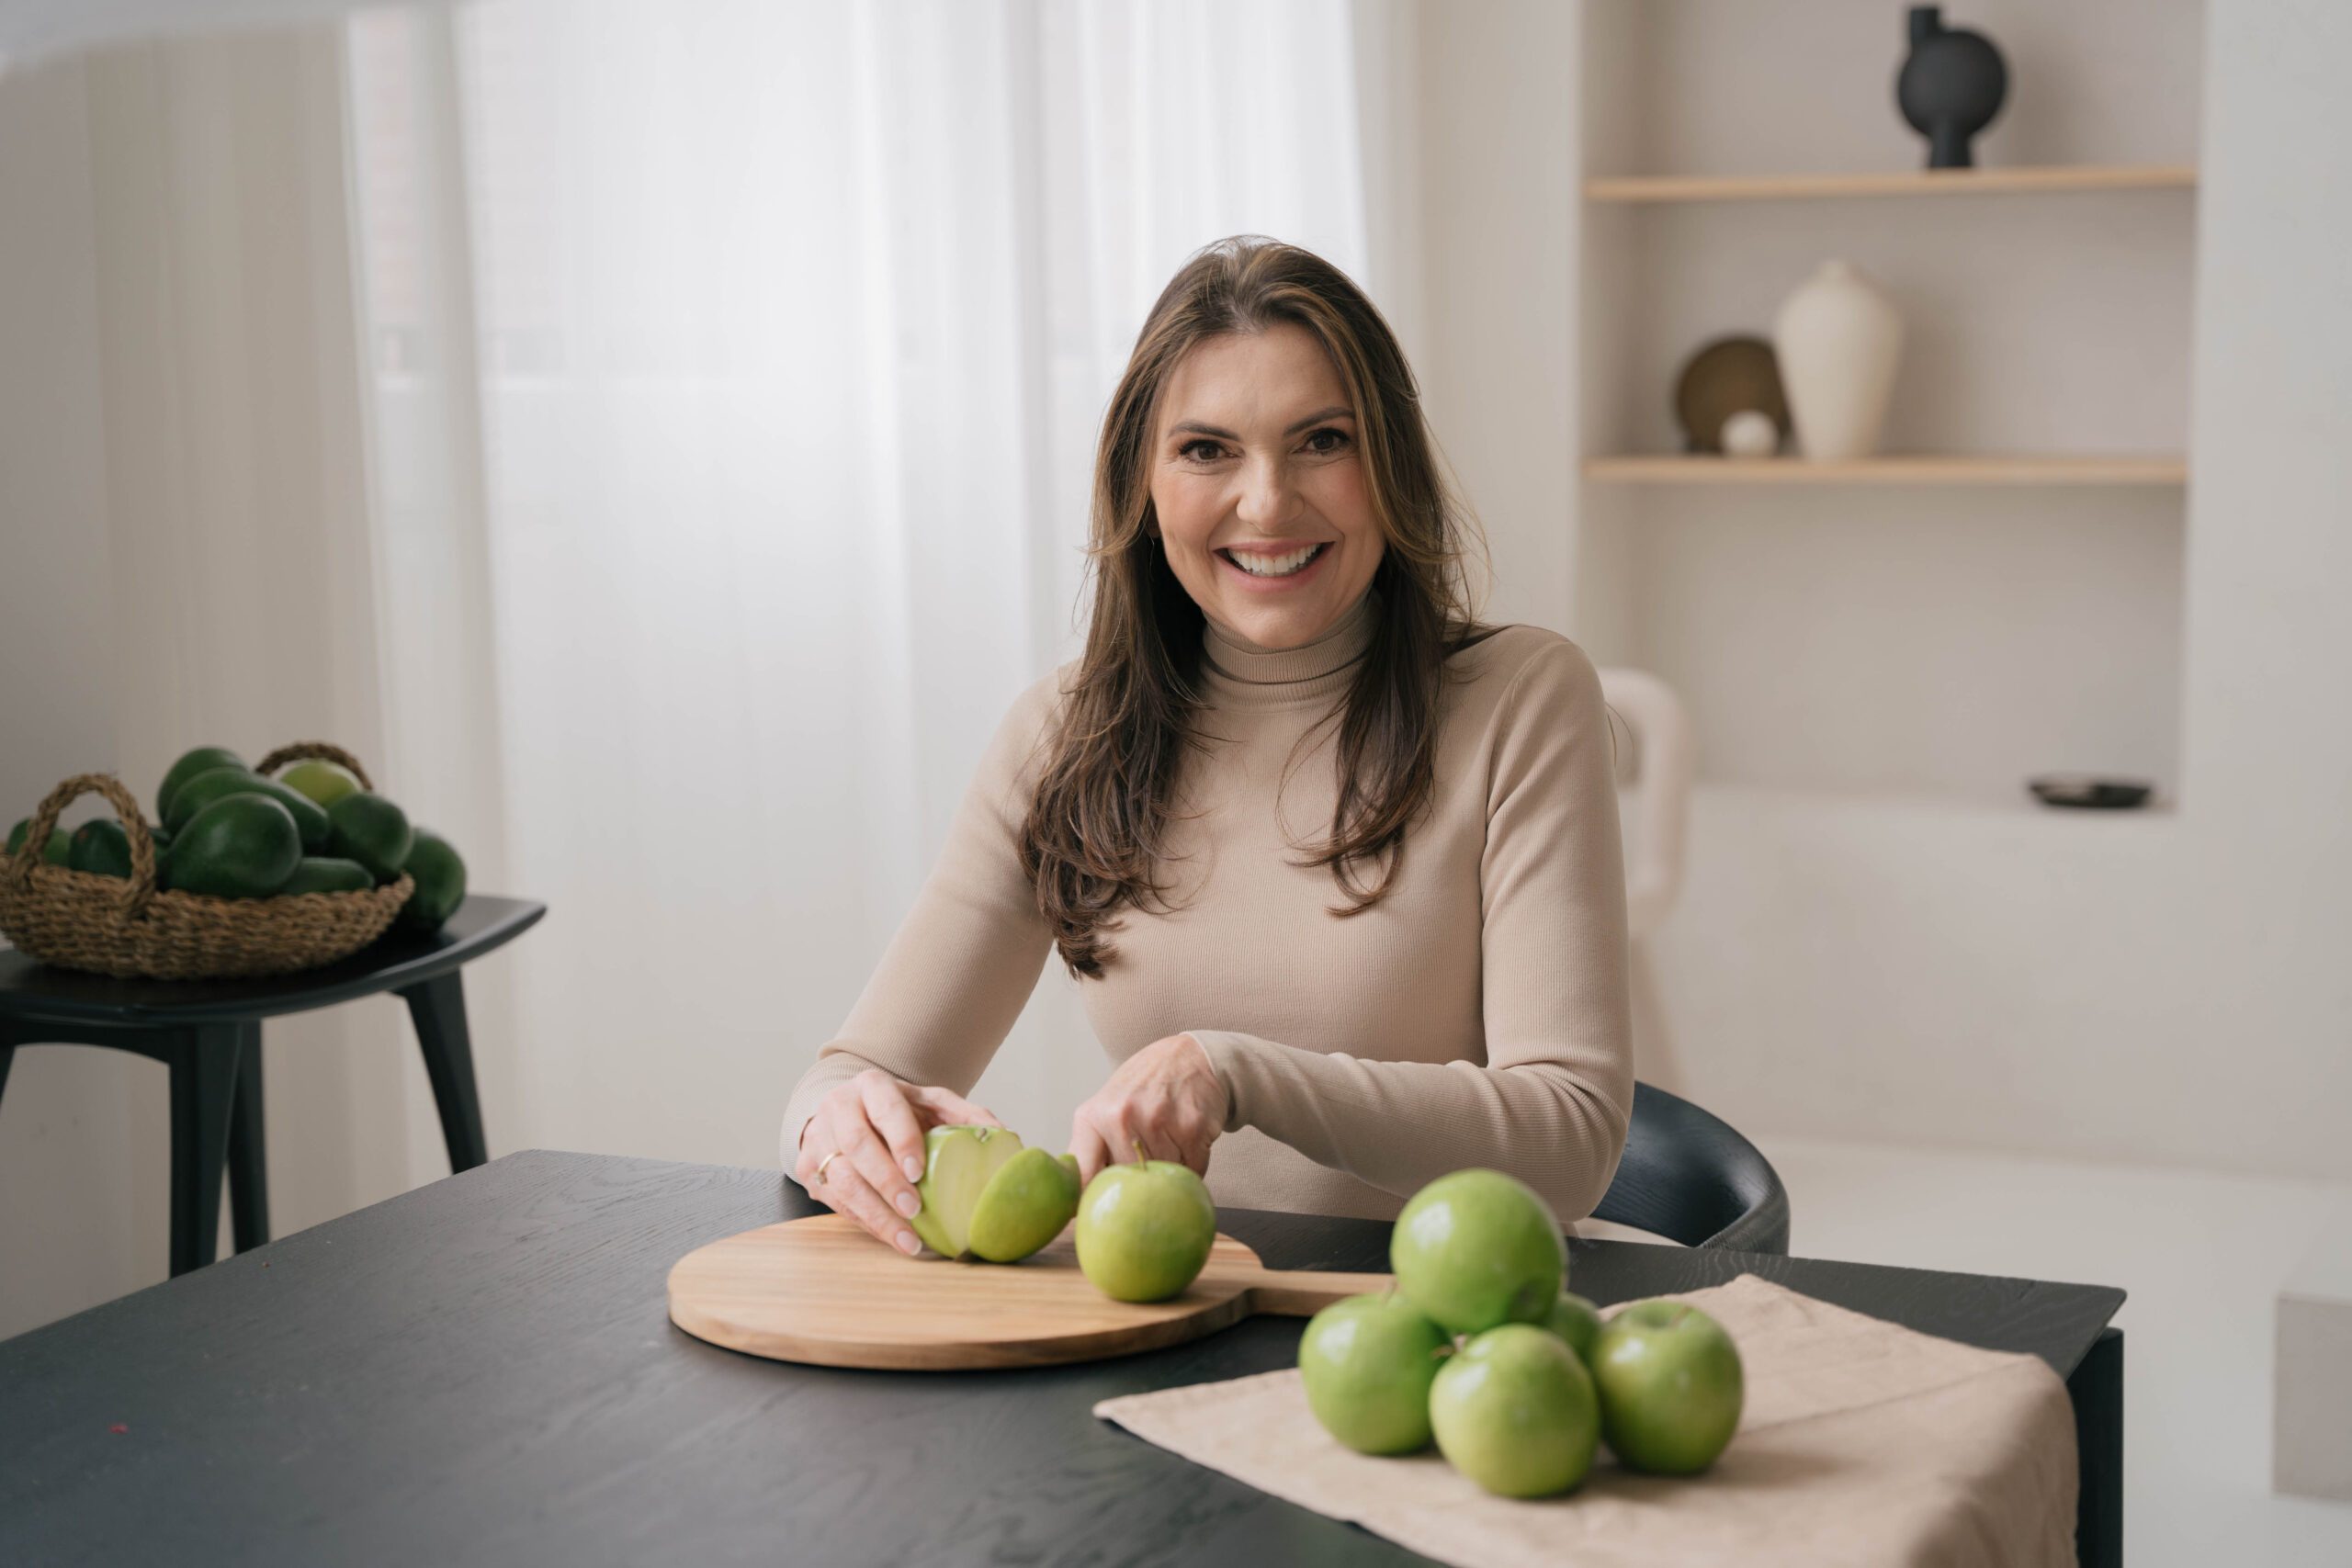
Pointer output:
x,y
1339,865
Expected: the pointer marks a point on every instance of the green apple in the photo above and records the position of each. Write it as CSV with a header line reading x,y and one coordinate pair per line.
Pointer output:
x,y
1368,1362
1477,1249
1578,1320
1514,1411
958,1163
1026,1204
1145,1230
323,781
1670,1387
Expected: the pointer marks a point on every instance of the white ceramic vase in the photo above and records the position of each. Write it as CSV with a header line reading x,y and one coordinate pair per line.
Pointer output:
x,y
1839,338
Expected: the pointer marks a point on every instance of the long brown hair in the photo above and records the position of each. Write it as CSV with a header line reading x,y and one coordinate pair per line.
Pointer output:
x,y
1098,825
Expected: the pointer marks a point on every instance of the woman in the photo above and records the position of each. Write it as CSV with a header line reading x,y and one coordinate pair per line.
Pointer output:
x,y
1338,868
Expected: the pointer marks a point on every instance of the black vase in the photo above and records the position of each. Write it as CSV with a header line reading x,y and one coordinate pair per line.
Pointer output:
x,y
1950,87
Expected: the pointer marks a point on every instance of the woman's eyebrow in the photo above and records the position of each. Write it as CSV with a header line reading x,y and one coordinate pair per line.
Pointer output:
x,y
1194,428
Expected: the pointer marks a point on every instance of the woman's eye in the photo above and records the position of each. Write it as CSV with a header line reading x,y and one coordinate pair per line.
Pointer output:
x,y
1201,451
1325,442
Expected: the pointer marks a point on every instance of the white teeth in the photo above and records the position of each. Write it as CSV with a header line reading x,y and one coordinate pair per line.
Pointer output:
x,y
1273,566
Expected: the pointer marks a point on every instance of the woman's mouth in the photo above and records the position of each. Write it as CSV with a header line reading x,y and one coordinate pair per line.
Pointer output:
x,y
1289,563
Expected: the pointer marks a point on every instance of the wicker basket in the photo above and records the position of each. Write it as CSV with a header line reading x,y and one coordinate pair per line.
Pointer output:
x,y
77,919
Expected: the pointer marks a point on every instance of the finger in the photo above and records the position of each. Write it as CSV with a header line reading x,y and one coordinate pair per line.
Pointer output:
x,y
1111,1124
1151,1132
847,1191
887,1110
1193,1135
1140,1123
816,1142
862,1148
1086,1144
945,1108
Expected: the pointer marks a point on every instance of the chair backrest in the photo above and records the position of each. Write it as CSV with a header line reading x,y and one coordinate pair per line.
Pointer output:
x,y
1689,1175
1655,802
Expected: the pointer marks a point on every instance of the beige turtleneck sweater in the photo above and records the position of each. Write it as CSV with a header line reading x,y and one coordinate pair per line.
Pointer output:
x,y
1477,1016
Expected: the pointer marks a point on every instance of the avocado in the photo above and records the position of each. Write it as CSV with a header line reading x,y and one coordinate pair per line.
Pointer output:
x,y
201,791
54,854
440,882
241,846
100,846
368,828
321,873
203,760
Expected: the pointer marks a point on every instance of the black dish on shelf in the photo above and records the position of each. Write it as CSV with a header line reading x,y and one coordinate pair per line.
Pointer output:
x,y
2088,792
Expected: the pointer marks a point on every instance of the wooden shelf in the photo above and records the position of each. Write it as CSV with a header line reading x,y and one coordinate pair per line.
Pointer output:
x,y
1900,182
1958,469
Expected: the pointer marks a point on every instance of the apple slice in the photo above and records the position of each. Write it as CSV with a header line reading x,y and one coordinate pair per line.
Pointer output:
x,y
1026,1204
960,1162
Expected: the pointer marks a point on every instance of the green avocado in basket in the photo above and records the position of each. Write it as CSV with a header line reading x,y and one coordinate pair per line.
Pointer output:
x,y
242,871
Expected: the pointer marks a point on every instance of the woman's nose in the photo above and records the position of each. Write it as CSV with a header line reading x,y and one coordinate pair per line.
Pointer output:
x,y
1268,498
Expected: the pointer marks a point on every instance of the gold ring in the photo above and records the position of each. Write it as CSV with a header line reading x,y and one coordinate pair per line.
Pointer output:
x,y
823,1163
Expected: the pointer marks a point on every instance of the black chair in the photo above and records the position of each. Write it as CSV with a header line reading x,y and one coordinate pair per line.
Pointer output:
x,y
1687,1176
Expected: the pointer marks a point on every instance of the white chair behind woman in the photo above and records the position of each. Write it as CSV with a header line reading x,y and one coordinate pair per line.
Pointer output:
x,y
1657,754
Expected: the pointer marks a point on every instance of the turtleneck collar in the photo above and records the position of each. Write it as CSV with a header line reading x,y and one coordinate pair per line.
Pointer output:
x,y
1242,673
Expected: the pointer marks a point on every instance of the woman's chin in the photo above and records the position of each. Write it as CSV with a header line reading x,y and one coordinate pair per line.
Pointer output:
x,y
1277,628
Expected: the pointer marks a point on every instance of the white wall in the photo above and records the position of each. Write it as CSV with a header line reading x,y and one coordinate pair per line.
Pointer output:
x,y
1496,123
83,1204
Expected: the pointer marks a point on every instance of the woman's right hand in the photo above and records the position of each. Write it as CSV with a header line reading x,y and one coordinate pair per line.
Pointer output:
x,y
862,1153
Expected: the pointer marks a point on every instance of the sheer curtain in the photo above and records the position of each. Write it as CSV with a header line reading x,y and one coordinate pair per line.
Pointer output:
x,y
735,370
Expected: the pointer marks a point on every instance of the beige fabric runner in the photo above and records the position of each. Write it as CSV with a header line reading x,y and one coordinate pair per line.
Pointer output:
x,y
1862,1442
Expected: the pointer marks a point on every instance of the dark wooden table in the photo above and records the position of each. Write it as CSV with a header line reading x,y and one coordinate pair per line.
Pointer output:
x,y
208,1033
482,1372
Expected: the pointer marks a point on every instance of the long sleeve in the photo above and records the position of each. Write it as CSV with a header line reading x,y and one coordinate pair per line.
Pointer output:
x,y
963,964
1550,1103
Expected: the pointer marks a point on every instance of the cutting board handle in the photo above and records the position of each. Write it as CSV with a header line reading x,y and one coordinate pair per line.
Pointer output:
x,y
1303,1293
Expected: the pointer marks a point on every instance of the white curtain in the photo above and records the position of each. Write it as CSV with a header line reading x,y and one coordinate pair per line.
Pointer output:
x,y
736,370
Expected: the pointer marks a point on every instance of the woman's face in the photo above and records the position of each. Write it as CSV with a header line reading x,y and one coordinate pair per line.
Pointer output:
x,y
1259,489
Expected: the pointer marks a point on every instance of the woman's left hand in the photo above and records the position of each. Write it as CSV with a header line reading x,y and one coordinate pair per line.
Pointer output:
x,y
1164,1102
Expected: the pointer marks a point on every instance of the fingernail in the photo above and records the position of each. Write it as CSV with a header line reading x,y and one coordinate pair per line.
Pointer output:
x,y
907,1244
906,1203
913,1167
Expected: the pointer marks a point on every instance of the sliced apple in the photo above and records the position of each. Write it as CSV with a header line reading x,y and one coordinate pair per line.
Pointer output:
x,y
960,1162
1026,1204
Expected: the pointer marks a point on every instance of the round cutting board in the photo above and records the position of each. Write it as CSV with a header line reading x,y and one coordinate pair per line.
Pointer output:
x,y
823,1292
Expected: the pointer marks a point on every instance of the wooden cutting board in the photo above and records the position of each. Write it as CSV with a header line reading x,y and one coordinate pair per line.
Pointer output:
x,y
823,1291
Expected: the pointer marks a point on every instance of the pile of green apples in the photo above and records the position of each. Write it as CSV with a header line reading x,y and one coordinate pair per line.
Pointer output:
x,y
1144,1230
1480,1348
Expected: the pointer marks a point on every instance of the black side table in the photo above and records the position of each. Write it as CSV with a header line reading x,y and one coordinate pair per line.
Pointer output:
x,y
208,1033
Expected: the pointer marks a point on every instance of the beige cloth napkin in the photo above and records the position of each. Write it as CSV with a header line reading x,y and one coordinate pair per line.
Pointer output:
x,y
1861,1442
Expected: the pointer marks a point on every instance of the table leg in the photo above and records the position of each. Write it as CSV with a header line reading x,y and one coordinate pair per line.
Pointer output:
x,y
204,1081
438,1009
248,1150
2096,1388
